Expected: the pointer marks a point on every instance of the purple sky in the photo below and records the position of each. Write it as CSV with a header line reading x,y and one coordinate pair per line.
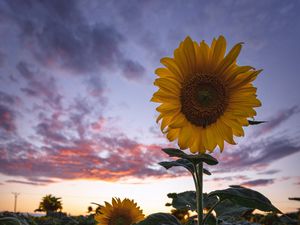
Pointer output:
x,y
76,81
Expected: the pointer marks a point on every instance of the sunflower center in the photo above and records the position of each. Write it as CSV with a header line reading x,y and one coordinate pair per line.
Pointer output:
x,y
203,99
120,220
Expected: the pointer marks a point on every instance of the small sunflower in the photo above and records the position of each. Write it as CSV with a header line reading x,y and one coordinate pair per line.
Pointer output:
x,y
124,212
206,97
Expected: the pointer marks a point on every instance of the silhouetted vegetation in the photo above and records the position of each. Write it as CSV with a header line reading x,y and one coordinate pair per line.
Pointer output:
x,y
49,204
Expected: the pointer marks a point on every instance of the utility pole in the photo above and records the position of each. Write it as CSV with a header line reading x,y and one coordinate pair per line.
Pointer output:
x,y
16,198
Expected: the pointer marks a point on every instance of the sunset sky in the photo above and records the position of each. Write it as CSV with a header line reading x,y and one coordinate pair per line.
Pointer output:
x,y
76,79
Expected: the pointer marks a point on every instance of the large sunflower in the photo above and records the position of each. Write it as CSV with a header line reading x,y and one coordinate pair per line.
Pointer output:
x,y
124,212
205,96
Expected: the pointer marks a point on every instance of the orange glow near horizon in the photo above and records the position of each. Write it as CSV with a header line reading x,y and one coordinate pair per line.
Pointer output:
x,y
77,195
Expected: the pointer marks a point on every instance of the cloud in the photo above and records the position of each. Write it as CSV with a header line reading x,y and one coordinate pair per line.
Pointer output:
x,y
258,182
107,158
39,85
9,100
25,70
277,120
25,182
133,70
269,172
59,36
7,119
256,155
230,178
2,59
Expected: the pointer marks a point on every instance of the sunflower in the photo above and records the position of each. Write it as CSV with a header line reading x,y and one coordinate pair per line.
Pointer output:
x,y
205,96
124,212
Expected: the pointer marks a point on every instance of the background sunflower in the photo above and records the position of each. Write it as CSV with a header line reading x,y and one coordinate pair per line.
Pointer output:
x,y
125,212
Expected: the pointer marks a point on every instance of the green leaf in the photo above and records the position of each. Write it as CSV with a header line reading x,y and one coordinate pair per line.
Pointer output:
x,y
195,159
228,208
246,197
254,122
184,200
205,171
211,220
209,201
187,200
160,219
181,162
10,221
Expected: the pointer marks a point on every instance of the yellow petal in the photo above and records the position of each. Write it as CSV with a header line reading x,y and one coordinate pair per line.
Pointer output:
x,y
166,107
172,134
231,75
190,54
225,131
218,52
244,79
197,145
236,127
168,84
181,61
166,73
229,58
178,121
172,66
185,137
211,139
203,56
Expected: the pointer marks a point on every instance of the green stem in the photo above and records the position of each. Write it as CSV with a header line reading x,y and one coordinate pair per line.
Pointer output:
x,y
199,192
210,210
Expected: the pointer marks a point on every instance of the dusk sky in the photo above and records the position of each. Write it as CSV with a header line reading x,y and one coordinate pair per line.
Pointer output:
x,y
76,79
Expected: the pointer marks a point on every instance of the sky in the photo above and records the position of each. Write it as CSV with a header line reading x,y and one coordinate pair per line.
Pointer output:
x,y
76,79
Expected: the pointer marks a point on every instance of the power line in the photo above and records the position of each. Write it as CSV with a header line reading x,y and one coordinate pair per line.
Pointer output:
x,y
16,198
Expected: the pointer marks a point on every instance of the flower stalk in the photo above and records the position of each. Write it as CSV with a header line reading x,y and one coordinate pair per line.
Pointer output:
x,y
199,192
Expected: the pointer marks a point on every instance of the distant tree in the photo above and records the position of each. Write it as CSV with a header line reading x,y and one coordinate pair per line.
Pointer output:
x,y
49,204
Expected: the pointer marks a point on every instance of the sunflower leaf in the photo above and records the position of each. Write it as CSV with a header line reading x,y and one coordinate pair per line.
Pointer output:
x,y
173,152
187,200
179,162
182,162
246,197
228,208
195,159
206,171
160,219
254,122
184,200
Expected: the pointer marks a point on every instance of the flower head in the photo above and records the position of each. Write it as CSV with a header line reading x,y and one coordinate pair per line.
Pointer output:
x,y
125,212
205,96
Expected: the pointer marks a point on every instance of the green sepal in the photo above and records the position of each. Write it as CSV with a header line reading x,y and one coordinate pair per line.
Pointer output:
x,y
182,162
254,122
246,197
195,159
294,199
159,219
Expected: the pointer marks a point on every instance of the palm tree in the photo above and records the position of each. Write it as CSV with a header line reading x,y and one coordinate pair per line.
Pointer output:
x,y
49,204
